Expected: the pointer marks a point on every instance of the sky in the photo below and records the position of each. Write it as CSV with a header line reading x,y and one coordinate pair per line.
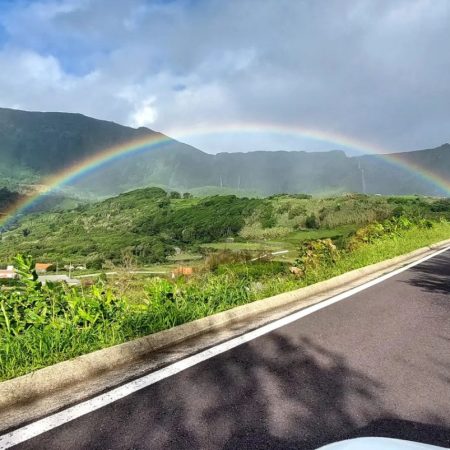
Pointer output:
x,y
235,75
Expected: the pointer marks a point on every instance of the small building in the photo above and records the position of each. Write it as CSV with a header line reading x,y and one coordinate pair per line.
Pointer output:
x,y
44,279
182,271
8,274
44,267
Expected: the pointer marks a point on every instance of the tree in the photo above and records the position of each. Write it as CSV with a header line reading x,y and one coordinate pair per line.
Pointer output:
x,y
175,194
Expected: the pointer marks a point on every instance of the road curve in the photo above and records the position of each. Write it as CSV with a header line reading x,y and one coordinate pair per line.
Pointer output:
x,y
374,364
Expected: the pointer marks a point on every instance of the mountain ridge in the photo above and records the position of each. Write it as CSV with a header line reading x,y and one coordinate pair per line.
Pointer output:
x,y
37,144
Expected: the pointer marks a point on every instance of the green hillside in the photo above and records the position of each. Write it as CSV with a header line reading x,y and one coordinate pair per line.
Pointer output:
x,y
46,202
149,224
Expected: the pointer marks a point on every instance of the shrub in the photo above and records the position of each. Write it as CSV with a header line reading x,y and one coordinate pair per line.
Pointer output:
x,y
34,306
296,211
216,259
366,235
312,222
376,230
314,254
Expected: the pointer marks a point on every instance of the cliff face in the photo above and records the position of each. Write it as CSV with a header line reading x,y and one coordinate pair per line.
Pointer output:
x,y
34,145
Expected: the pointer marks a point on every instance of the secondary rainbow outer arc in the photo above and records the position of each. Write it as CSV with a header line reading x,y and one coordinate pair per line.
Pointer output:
x,y
149,142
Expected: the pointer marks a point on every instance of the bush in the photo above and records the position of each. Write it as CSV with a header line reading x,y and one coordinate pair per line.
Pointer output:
x,y
34,306
366,235
284,208
296,211
314,254
312,222
95,263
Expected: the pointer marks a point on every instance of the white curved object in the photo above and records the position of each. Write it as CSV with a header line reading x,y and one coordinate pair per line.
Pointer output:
x,y
374,443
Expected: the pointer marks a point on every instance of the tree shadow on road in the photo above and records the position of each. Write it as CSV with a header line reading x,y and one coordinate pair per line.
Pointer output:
x,y
295,396
276,392
432,276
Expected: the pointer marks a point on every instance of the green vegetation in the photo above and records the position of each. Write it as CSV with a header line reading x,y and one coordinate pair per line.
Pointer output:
x,y
8,198
146,224
150,225
49,202
41,325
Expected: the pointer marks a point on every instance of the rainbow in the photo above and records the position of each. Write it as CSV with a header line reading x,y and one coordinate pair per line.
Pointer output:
x,y
147,143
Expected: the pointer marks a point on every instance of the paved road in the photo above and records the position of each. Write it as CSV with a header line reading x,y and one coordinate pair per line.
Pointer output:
x,y
134,272
377,363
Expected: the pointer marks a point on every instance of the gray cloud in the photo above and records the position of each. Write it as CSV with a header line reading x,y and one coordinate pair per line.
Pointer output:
x,y
375,70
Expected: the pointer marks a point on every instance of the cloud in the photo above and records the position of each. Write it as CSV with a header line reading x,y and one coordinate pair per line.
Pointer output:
x,y
145,114
374,70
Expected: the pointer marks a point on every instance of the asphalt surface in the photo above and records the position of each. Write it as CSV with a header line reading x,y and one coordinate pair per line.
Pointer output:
x,y
375,364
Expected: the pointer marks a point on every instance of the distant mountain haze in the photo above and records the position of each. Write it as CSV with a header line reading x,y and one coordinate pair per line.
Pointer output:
x,y
35,144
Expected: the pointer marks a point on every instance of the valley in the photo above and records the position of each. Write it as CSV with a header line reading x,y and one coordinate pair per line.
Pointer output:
x,y
151,226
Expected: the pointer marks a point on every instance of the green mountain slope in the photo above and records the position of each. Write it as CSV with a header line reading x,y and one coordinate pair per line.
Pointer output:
x,y
34,145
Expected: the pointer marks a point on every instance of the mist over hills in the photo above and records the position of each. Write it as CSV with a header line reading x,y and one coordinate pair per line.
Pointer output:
x,y
34,145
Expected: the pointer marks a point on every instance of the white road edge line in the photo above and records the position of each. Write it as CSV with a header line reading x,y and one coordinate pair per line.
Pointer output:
x,y
74,412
